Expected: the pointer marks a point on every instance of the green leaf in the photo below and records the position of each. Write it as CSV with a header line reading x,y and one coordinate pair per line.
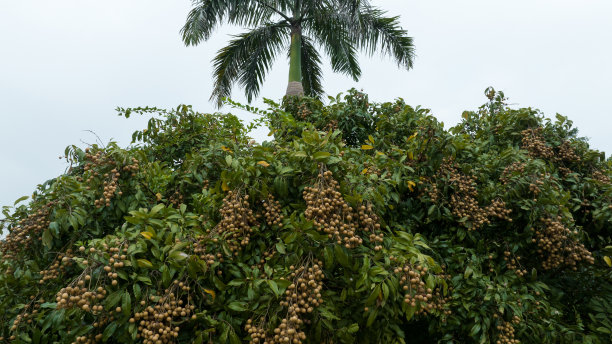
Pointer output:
x,y
341,256
321,155
47,239
274,287
113,299
238,306
109,331
20,199
156,209
126,303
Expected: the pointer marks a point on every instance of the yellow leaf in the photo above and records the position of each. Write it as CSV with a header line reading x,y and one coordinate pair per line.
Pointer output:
x,y
147,235
365,170
411,185
263,163
410,156
159,196
211,292
366,147
224,186
371,139
608,261
226,149
412,136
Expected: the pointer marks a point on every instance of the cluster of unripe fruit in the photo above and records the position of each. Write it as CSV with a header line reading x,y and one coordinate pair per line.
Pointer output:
x,y
464,201
558,247
21,237
417,294
273,212
533,141
334,217
506,331
59,265
302,296
157,321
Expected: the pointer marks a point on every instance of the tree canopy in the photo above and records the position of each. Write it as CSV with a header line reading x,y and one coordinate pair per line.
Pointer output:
x,y
299,28
357,222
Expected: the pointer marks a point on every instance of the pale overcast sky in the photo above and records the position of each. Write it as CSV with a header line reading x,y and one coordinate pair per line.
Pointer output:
x,y
65,65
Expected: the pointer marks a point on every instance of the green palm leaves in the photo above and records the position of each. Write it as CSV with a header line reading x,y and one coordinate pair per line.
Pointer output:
x,y
338,27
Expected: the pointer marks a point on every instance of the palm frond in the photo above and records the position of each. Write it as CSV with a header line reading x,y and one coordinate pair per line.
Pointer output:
x,y
265,43
206,15
246,59
330,30
312,75
384,34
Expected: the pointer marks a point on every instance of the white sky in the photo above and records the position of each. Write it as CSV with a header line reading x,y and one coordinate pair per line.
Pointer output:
x,y
66,64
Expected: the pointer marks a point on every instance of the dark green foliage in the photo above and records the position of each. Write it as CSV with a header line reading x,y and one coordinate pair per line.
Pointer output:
x,y
528,260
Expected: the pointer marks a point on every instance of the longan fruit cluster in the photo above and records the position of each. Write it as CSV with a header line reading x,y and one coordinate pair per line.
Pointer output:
x,y
116,260
205,184
201,250
599,176
533,141
510,170
157,322
303,111
257,332
431,188
59,265
498,209
333,216
331,125
26,315
110,186
567,152
369,221
22,236
261,263
557,247
302,296
464,201
273,213
513,263
99,324
535,186
237,221
176,198
77,295
506,331
412,281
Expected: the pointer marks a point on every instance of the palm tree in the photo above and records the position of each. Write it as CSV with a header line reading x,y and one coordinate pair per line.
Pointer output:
x,y
340,27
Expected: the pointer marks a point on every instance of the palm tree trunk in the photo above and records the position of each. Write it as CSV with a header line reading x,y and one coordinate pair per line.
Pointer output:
x,y
295,64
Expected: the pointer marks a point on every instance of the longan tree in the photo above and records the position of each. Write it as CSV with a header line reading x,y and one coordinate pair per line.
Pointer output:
x,y
357,222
